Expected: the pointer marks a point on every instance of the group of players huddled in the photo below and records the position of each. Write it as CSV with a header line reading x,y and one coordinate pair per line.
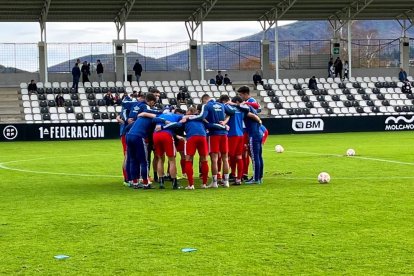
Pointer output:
x,y
227,130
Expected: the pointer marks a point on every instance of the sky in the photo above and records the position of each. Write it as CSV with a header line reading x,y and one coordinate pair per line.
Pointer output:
x,y
143,31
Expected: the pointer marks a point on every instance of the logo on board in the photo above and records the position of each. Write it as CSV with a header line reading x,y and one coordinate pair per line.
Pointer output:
x,y
304,125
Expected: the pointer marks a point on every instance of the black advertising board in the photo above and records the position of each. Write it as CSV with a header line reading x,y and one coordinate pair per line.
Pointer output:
x,y
86,131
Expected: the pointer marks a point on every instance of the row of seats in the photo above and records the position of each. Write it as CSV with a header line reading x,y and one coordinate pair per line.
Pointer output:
x,y
130,89
342,111
121,84
333,80
358,96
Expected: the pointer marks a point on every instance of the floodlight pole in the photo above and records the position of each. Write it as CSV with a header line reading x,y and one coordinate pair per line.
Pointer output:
x,y
125,56
276,47
202,67
349,47
43,39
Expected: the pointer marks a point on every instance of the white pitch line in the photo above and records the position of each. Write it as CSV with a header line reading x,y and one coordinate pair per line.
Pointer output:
x,y
355,157
56,173
340,178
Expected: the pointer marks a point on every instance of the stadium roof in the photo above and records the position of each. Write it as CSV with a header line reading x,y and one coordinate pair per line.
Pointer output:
x,y
181,10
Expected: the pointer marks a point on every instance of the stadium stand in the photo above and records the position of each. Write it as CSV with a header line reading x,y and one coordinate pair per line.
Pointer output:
x,y
287,98
88,105
357,97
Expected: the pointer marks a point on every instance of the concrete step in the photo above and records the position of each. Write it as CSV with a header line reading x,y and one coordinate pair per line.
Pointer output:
x,y
10,111
11,119
8,92
9,104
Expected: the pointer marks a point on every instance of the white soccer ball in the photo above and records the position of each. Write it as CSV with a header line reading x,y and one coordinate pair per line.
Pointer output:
x,y
279,149
350,152
324,178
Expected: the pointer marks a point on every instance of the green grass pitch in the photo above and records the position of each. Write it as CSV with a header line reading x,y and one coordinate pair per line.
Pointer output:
x,y
361,223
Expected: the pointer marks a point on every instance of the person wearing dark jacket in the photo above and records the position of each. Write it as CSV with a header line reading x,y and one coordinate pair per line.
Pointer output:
x,y
219,78
85,72
402,76
226,80
257,79
99,70
32,87
60,101
137,69
338,67
76,73
313,84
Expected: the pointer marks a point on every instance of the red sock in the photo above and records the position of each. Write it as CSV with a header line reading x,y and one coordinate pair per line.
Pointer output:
x,y
232,163
240,169
189,171
204,171
182,163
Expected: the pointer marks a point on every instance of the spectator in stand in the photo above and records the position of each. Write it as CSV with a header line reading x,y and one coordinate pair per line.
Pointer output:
x,y
226,79
108,98
338,68
76,73
257,79
126,97
60,101
219,78
330,64
138,70
181,97
402,76
313,84
346,70
32,87
85,72
99,70
117,99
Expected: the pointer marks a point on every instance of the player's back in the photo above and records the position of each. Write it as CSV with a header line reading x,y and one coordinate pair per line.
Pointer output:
x,y
236,122
252,126
194,128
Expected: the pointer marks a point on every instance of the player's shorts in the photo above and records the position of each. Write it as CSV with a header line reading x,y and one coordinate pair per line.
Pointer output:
x,y
236,145
164,144
198,143
124,143
265,134
246,140
218,144
180,145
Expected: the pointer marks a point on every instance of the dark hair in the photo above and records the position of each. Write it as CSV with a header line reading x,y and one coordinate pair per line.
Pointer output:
x,y
199,107
99,60
155,90
205,96
237,99
224,98
244,90
179,111
150,97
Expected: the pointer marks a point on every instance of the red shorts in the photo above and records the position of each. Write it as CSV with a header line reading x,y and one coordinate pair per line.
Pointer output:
x,y
164,144
198,143
218,144
180,145
236,145
124,144
246,141
265,134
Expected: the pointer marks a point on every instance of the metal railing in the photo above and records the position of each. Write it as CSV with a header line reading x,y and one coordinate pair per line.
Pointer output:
x,y
19,57
226,55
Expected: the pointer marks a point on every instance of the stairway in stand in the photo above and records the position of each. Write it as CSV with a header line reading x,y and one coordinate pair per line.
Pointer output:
x,y
10,109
